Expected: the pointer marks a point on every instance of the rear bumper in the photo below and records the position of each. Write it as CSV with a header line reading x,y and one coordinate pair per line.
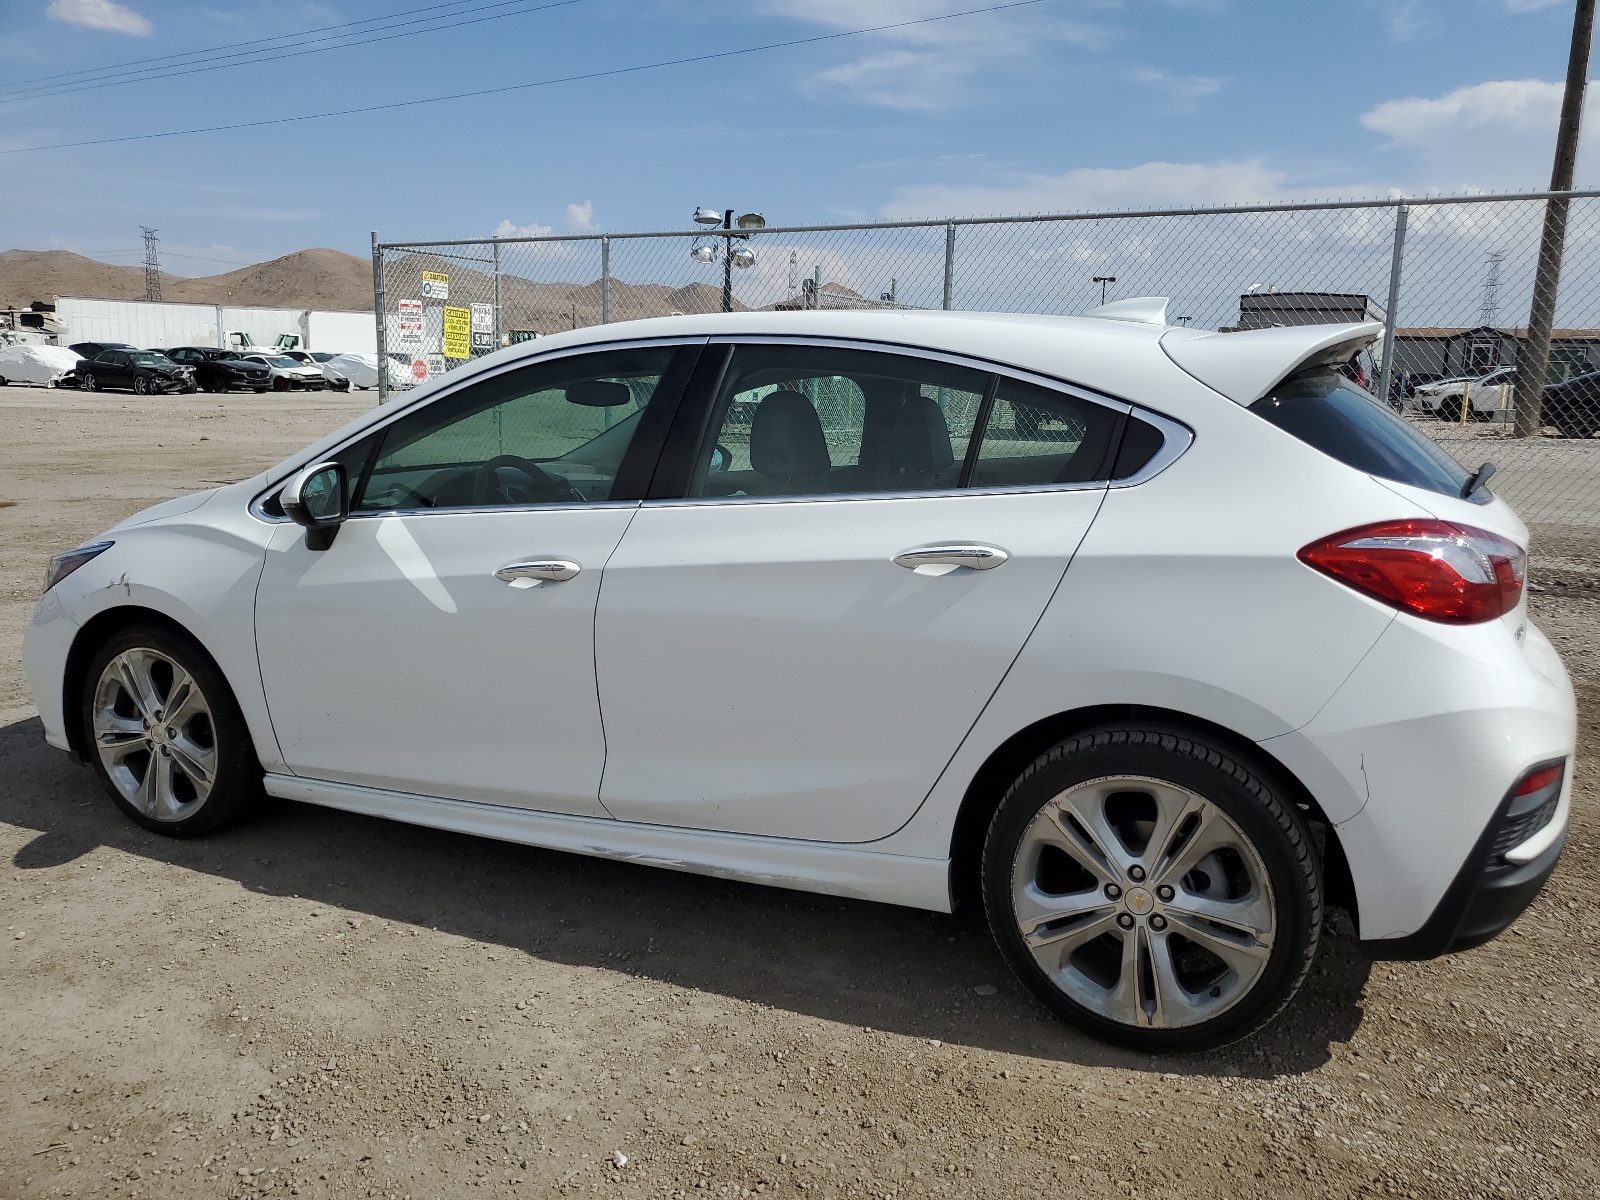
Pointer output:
x,y
1411,762
1488,893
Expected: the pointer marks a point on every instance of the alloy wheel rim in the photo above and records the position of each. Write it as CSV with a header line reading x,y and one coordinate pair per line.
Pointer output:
x,y
155,735
1143,901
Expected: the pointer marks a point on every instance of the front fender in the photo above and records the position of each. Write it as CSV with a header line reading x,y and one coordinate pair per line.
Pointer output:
x,y
200,574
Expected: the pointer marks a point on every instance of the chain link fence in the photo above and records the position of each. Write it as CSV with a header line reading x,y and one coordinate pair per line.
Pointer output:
x,y
1450,278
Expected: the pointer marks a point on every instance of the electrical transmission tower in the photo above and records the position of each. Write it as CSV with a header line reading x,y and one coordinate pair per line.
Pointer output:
x,y
1489,310
152,264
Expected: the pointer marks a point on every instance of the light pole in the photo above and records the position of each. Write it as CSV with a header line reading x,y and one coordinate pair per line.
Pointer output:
x,y
1102,280
730,229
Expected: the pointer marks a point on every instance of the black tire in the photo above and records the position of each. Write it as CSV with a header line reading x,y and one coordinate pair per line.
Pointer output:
x,y
141,385
236,789
280,384
90,383
1450,409
1275,831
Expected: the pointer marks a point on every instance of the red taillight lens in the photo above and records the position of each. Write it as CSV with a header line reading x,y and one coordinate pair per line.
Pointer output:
x,y
1437,570
1537,781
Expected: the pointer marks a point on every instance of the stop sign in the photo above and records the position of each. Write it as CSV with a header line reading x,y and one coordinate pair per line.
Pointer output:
x,y
419,369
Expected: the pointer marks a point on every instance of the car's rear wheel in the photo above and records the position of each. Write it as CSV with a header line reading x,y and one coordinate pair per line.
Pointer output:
x,y
90,383
1152,888
166,736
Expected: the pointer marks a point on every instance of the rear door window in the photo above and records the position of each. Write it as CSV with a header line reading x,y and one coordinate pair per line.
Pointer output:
x,y
1324,409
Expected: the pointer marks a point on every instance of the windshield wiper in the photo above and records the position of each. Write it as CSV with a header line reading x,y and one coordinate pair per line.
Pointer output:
x,y
1476,480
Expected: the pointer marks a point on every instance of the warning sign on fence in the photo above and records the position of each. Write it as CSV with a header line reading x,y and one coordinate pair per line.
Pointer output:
x,y
435,285
483,327
411,322
457,332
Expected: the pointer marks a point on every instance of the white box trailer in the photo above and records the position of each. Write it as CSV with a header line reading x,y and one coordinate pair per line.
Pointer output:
x,y
145,323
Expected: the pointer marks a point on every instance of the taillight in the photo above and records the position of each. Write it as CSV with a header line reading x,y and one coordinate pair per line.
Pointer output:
x,y
1435,569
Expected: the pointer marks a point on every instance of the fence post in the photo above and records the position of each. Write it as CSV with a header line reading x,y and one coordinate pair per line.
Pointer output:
x,y
949,264
605,280
378,306
1390,316
499,325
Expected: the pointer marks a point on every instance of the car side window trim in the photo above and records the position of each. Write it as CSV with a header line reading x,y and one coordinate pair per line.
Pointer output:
x,y
398,409
671,484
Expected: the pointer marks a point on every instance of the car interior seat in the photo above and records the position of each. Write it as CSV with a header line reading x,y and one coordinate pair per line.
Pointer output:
x,y
787,445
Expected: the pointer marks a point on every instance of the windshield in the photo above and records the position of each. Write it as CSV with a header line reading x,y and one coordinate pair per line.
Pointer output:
x,y
282,360
148,358
1325,410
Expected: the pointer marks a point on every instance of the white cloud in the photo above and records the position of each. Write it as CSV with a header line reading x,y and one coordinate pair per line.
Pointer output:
x,y
509,229
1494,135
1407,20
99,14
1181,91
920,68
1089,189
580,217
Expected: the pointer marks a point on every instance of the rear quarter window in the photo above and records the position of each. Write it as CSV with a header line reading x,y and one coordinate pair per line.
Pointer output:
x,y
1324,409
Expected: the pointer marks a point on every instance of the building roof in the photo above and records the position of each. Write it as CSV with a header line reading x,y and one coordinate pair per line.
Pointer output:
x,y
1447,332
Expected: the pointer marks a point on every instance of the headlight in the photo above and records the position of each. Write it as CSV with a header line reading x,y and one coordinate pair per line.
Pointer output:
x,y
63,565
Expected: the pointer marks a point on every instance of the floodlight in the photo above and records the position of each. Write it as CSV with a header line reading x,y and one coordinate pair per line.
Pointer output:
x,y
704,254
752,221
707,216
743,257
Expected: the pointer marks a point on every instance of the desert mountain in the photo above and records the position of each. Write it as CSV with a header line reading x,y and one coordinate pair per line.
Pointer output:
x,y
334,280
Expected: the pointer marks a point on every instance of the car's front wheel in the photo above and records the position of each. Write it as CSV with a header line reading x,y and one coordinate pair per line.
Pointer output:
x,y
1152,888
166,736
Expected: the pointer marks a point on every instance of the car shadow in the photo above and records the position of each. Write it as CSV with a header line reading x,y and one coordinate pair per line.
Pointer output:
x,y
858,963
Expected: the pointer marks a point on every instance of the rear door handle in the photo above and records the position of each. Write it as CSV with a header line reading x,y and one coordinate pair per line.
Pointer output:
x,y
535,571
941,560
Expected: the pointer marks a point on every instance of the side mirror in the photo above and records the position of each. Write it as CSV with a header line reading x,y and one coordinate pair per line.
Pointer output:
x,y
315,498
721,458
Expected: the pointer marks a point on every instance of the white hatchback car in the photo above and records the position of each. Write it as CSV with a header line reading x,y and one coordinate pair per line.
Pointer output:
x,y
1153,641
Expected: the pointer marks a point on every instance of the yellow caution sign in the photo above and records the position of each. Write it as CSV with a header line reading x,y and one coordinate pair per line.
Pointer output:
x,y
457,332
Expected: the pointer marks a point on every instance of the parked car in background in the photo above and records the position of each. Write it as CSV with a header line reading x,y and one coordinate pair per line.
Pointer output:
x,y
290,374
94,349
48,366
1488,395
141,371
360,369
1573,406
219,370
1150,643
321,360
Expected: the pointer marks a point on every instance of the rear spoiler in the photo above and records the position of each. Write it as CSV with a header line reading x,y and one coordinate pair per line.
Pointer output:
x,y
1245,366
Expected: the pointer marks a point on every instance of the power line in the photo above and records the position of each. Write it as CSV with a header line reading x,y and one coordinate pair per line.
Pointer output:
x,y
518,87
167,58
201,66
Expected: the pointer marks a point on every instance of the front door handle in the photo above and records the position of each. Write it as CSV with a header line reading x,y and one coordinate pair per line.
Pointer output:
x,y
535,571
941,560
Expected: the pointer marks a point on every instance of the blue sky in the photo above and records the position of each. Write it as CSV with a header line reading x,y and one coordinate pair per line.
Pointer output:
x,y
1064,104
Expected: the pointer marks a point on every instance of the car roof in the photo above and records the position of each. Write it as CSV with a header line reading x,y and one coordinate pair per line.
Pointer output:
x,y
1110,353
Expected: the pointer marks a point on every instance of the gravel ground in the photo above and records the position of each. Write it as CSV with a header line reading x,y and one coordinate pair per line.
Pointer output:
x,y
330,1006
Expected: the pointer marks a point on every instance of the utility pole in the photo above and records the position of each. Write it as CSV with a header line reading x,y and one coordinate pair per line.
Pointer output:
x,y
152,264
1533,363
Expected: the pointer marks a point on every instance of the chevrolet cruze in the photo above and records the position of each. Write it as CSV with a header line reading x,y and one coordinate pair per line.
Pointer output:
x,y
1152,641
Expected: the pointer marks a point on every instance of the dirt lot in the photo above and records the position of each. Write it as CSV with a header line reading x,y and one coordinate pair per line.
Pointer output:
x,y
329,1006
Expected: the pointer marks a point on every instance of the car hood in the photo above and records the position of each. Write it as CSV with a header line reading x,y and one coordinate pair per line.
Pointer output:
x,y
175,507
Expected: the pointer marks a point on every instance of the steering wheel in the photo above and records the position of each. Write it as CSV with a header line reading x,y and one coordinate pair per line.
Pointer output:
x,y
511,479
